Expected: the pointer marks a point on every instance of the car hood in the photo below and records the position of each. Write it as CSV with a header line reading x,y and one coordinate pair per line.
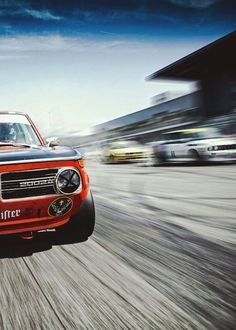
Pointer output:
x,y
18,154
128,150
217,141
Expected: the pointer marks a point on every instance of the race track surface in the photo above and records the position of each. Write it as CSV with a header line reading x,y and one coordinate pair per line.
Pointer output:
x,y
162,257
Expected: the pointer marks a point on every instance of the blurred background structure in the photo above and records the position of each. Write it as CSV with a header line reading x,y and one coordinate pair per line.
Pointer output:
x,y
213,70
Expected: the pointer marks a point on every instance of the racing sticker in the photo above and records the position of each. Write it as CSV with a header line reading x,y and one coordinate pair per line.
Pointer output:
x,y
9,214
60,206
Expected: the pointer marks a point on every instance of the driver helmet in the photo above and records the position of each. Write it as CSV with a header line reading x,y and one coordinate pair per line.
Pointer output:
x,y
7,132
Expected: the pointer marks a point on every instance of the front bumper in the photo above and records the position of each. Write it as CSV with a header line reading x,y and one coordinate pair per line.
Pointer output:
x,y
32,225
221,154
33,213
36,214
136,157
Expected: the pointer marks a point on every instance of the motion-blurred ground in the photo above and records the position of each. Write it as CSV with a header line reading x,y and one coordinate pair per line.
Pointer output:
x,y
162,257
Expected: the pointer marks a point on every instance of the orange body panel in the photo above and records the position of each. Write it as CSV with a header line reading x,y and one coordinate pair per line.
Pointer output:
x,y
25,214
34,214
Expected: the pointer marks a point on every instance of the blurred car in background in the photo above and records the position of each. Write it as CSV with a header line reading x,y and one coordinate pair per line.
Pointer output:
x,y
125,151
194,144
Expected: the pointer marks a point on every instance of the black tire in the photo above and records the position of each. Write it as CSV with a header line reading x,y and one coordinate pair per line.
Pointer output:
x,y
111,159
194,155
108,160
159,158
80,226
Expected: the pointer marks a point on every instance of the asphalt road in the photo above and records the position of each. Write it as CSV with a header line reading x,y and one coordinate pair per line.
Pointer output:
x,y
162,257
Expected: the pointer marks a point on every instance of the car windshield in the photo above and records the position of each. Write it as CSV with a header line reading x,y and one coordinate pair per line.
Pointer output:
x,y
210,133
124,144
16,129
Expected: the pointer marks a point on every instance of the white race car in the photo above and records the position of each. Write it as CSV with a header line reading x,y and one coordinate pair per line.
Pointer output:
x,y
194,145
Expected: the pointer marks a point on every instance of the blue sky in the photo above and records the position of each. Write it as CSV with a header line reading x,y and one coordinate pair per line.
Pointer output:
x,y
73,64
131,18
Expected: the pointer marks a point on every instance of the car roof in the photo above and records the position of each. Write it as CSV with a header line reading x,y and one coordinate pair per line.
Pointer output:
x,y
12,112
122,141
189,130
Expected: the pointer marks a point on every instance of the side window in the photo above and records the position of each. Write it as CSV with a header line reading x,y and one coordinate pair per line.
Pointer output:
x,y
175,137
167,137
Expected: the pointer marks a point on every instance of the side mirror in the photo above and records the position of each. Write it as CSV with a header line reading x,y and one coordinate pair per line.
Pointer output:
x,y
52,142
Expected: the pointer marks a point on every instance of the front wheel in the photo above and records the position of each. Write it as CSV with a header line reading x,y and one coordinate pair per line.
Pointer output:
x,y
80,226
194,155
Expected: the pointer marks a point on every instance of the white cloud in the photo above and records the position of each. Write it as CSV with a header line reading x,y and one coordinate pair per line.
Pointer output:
x,y
73,83
74,44
32,43
17,10
8,57
40,14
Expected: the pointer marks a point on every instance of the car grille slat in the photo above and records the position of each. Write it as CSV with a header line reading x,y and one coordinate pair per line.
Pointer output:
x,y
30,183
226,147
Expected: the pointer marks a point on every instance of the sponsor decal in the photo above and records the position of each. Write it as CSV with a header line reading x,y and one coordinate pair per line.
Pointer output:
x,y
9,214
60,206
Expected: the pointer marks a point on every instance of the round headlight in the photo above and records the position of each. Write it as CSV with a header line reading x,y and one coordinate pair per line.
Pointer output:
x,y
68,181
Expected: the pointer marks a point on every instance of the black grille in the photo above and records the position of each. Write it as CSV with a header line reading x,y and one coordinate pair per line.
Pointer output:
x,y
135,155
28,183
226,147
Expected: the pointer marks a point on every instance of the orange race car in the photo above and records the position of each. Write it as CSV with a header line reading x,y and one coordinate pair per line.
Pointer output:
x,y
43,186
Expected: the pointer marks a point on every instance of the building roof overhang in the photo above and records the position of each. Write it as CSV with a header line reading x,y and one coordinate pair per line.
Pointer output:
x,y
215,57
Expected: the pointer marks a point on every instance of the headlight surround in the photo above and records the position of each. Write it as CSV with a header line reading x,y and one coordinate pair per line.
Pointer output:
x,y
212,148
68,181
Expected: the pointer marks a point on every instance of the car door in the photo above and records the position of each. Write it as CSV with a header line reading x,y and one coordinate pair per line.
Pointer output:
x,y
182,150
173,146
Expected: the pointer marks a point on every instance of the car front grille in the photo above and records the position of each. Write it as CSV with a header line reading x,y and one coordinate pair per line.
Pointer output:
x,y
31,183
226,147
134,154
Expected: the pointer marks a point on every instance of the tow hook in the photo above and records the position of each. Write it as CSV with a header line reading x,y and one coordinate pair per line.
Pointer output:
x,y
27,235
